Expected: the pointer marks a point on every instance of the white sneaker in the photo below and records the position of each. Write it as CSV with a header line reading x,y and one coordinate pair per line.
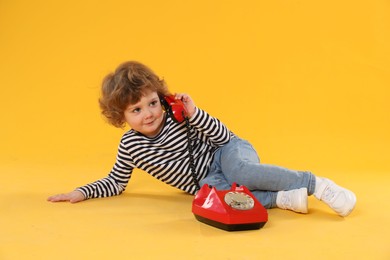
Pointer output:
x,y
295,200
341,200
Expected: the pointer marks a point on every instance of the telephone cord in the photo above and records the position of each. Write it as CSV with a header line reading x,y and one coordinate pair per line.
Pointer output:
x,y
191,155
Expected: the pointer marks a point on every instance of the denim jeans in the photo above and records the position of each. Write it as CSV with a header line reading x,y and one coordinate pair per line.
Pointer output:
x,y
238,162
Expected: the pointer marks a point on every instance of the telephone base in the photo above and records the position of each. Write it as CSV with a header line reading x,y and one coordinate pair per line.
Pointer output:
x,y
230,210
230,227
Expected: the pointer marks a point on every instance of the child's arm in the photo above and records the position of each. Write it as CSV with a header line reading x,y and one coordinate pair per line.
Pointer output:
x,y
114,184
72,197
105,187
215,131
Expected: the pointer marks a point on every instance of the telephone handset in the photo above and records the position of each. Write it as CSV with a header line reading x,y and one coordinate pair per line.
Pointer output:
x,y
174,108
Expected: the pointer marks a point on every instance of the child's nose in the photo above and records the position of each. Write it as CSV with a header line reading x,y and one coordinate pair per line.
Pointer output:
x,y
148,113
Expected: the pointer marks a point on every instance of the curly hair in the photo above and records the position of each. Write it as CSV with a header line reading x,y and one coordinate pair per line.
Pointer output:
x,y
130,81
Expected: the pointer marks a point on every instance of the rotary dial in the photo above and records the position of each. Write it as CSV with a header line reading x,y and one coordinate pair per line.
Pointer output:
x,y
239,200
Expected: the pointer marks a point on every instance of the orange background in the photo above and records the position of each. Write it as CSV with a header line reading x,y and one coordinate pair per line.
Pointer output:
x,y
306,82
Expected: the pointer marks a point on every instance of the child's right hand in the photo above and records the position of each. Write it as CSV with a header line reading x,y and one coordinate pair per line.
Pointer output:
x,y
72,197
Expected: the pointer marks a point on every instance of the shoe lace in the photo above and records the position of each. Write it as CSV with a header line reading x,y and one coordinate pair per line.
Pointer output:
x,y
328,194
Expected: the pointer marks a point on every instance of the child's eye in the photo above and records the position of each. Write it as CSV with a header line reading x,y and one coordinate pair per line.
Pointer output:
x,y
136,110
153,103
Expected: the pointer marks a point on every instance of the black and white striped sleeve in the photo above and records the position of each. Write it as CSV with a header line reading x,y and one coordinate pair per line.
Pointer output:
x,y
115,183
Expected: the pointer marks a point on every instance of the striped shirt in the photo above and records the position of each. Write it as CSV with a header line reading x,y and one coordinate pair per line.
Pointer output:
x,y
165,156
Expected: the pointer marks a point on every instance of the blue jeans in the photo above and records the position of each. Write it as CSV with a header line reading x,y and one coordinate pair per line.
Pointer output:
x,y
238,162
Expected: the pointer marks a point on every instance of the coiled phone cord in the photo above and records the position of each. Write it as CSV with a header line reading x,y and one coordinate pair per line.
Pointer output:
x,y
191,155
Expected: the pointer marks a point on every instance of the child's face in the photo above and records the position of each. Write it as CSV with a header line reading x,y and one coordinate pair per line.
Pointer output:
x,y
146,116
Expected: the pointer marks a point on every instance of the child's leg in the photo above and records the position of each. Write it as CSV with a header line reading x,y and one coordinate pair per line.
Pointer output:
x,y
239,163
264,181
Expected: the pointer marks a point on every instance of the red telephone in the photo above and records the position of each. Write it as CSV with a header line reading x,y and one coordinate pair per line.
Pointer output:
x,y
174,108
232,210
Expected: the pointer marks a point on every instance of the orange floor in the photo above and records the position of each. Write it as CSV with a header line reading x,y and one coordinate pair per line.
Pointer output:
x,y
154,221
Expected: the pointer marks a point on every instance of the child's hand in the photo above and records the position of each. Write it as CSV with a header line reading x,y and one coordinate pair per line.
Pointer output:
x,y
188,103
72,197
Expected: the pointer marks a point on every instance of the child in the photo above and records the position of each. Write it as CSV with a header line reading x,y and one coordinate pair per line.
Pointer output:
x,y
158,145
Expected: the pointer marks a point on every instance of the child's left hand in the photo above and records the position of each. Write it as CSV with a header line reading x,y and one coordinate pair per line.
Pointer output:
x,y
188,103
